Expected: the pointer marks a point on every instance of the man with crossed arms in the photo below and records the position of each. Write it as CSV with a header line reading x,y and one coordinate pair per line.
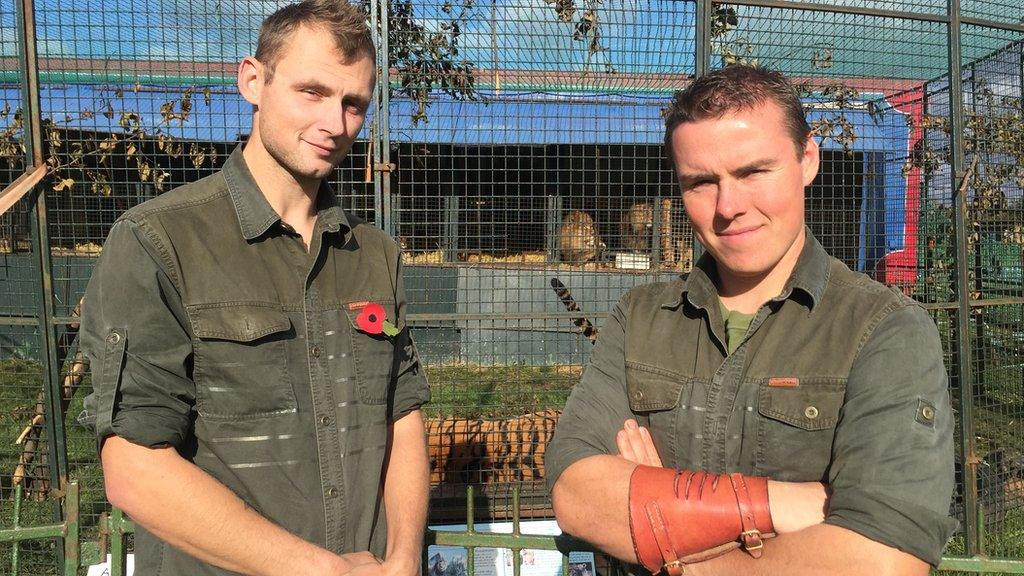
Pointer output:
x,y
800,409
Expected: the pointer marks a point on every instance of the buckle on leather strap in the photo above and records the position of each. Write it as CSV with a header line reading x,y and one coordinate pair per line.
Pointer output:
x,y
752,542
673,568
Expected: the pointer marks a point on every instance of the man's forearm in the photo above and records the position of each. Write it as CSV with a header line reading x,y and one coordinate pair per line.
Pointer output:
x,y
190,510
591,502
406,488
820,549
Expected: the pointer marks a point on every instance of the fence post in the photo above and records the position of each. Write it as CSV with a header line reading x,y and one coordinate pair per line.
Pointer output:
x,y
380,138
702,64
16,545
32,114
450,235
963,368
118,553
655,238
702,37
72,546
553,227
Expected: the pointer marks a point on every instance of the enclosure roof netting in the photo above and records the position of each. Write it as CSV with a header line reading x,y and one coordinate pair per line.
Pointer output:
x,y
636,37
496,119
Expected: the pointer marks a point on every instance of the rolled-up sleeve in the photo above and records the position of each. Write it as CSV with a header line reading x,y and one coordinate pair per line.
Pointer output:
x,y
892,464
134,334
411,389
598,405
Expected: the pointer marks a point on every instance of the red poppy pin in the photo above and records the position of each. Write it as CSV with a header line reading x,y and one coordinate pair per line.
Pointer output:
x,y
372,319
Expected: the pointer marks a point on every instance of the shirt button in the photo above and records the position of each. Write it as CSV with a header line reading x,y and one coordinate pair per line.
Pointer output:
x,y
638,395
811,412
332,492
314,351
325,420
927,412
113,338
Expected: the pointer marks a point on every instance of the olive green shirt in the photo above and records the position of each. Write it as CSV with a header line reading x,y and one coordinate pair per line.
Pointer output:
x,y
210,328
839,379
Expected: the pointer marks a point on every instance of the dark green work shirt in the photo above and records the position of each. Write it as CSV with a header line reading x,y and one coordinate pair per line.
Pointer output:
x,y
839,379
210,328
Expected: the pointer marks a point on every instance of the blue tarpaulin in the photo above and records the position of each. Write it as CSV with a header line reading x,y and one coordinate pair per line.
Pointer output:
x,y
507,118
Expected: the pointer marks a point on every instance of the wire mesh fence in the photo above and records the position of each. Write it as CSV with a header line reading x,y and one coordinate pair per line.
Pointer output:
x,y
995,256
516,155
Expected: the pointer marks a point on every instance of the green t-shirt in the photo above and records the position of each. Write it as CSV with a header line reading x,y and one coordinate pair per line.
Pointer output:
x,y
736,324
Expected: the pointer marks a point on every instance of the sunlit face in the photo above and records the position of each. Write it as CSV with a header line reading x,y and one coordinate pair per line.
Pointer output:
x,y
312,109
743,185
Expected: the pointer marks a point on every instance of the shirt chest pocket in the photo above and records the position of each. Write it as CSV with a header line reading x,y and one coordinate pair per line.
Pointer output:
x,y
661,396
373,353
241,365
796,425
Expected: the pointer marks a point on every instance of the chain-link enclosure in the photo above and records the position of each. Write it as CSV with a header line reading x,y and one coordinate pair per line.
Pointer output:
x,y
515,151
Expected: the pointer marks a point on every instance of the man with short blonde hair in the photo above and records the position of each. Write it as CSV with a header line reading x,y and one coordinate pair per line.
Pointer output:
x,y
345,23
257,392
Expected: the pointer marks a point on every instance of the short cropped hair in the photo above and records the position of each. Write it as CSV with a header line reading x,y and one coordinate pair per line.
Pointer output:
x,y
345,22
736,88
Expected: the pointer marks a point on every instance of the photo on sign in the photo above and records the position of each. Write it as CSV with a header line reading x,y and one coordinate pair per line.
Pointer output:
x,y
581,569
446,562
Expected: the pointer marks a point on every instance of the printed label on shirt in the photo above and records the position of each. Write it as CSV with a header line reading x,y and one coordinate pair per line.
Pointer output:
x,y
783,382
357,305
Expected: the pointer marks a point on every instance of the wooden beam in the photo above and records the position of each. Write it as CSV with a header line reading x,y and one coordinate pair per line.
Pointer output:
x,y
17,190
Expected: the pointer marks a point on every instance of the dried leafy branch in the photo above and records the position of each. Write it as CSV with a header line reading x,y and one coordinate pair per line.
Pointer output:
x,y
72,161
992,135
838,127
425,59
733,50
993,145
586,28
428,60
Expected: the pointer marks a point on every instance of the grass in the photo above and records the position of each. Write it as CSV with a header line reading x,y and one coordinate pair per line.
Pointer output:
x,y
20,382
470,391
1007,544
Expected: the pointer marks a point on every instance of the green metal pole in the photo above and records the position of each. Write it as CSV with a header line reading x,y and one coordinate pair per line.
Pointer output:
x,y
72,544
118,554
981,565
470,530
517,553
15,546
380,144
29,61
702,64
963,368
496,540
702,37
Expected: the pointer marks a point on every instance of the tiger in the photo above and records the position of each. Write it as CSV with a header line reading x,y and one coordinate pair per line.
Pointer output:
x,y
500,450
586,327
489,451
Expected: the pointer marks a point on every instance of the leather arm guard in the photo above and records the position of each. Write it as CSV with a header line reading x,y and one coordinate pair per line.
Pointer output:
x,y
678,517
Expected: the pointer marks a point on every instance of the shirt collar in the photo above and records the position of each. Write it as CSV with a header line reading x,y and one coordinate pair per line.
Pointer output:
x,y
811,273
809,277
256,215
